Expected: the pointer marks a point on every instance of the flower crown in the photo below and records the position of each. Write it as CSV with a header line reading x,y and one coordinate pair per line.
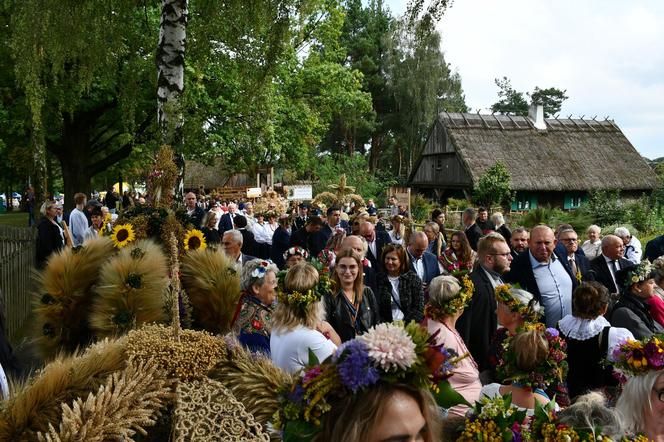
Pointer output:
x,y
504,294
638,273
388,353
299,301
260,271
552,368
296,250
633,358
455,304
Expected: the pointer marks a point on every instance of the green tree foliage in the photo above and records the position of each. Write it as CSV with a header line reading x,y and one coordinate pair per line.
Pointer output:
x,y
513,102
605,207
331,167
551,98
494,187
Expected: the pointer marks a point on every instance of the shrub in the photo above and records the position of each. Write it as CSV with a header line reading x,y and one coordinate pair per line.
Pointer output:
x,y
420,208
604,206
494,187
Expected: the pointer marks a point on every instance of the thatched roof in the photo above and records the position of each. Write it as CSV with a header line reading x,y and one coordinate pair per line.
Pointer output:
x,y
198,174
569,155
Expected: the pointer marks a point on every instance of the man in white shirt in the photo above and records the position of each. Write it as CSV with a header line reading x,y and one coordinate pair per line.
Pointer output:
x,y
78,222
633,251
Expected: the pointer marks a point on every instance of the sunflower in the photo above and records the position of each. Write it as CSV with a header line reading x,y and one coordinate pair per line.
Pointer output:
x,y
194,240
122,235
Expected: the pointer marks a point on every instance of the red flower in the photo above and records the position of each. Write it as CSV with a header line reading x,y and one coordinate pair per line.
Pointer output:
x,y
256,324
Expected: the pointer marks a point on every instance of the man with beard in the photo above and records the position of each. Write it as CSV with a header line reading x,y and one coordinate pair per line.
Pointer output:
x,y
478,322
519,241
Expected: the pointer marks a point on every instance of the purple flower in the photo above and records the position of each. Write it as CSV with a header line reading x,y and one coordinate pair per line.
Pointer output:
x,y
312,373
354,366
654,355
553,332
296,394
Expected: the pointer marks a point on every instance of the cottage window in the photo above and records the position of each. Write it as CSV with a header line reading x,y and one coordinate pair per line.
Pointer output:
x,y
439,163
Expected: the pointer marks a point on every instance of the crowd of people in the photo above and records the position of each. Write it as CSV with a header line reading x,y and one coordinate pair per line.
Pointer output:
x,y
536,313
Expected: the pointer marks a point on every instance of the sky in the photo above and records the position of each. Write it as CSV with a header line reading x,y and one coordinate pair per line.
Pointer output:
x,y
608,55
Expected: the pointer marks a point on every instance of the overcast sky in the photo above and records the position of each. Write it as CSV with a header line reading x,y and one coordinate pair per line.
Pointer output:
x,y
607,54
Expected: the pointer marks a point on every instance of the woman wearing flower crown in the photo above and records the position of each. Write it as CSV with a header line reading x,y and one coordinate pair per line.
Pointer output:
x,y
458,255
632,311
590,340
447,299
297,323
351,308
295,255
251,322
514,307
641,403
532,360
376,387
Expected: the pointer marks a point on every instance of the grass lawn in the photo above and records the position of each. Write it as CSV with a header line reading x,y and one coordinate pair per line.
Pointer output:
x,y
18,219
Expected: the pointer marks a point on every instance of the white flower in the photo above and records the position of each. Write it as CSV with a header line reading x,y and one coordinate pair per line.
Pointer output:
x,y
390,347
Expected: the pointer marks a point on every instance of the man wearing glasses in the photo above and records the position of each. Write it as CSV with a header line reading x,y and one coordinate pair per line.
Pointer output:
x,y
578,263
545,273
478,322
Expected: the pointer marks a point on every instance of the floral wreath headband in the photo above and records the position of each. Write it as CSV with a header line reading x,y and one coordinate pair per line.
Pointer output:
x,y
553,368
639,273
389,353
633,358
504,295
300,301
260,271
296,250
455,304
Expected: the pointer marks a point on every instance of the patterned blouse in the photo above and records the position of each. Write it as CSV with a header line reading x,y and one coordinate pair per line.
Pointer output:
x,y
251,323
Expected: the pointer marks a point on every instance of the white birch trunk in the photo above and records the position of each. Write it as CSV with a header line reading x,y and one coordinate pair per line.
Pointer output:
x,y
170,79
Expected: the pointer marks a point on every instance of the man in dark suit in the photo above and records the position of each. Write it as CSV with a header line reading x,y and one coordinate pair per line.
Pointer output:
x,y
578,263
483,221
302,218
280,242
376,240
519,241
606,265
478,322
195,213
472,230
424,263
546,274
306,237
226,223
333,222
232,245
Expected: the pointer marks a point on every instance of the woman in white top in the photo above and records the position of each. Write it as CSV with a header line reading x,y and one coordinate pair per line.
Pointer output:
x,y
398,229
297,322
592,247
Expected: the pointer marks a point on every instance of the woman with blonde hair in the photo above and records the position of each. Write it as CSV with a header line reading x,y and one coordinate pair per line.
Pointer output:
x,y
298,325
398,230
533,359
447,300
351,307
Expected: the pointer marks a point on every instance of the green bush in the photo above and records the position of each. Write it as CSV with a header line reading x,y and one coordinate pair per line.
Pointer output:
x,y
605,208
458,204
420,208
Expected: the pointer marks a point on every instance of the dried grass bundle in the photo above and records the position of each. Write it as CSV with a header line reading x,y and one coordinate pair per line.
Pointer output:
x,y
129,402
131,290
64,297
253,379
37,404
190,357
213,286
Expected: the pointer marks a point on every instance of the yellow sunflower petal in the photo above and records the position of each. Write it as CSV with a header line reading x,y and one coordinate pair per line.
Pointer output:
x,y
194,240
122,235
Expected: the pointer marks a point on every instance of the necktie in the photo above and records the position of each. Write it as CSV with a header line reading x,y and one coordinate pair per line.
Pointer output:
x,y
572,264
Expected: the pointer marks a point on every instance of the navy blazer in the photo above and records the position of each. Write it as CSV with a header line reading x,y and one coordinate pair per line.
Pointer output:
x,y
602,273
521,272
431,269
382,238
280,243
226,223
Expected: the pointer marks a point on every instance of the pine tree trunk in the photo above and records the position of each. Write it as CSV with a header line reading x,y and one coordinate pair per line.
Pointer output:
x,y
170,79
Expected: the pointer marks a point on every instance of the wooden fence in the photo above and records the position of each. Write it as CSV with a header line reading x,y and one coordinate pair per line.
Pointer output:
x,y
17,261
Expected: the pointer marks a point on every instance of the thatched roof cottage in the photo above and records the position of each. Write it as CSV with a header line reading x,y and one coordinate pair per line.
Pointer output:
x,y
552,161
